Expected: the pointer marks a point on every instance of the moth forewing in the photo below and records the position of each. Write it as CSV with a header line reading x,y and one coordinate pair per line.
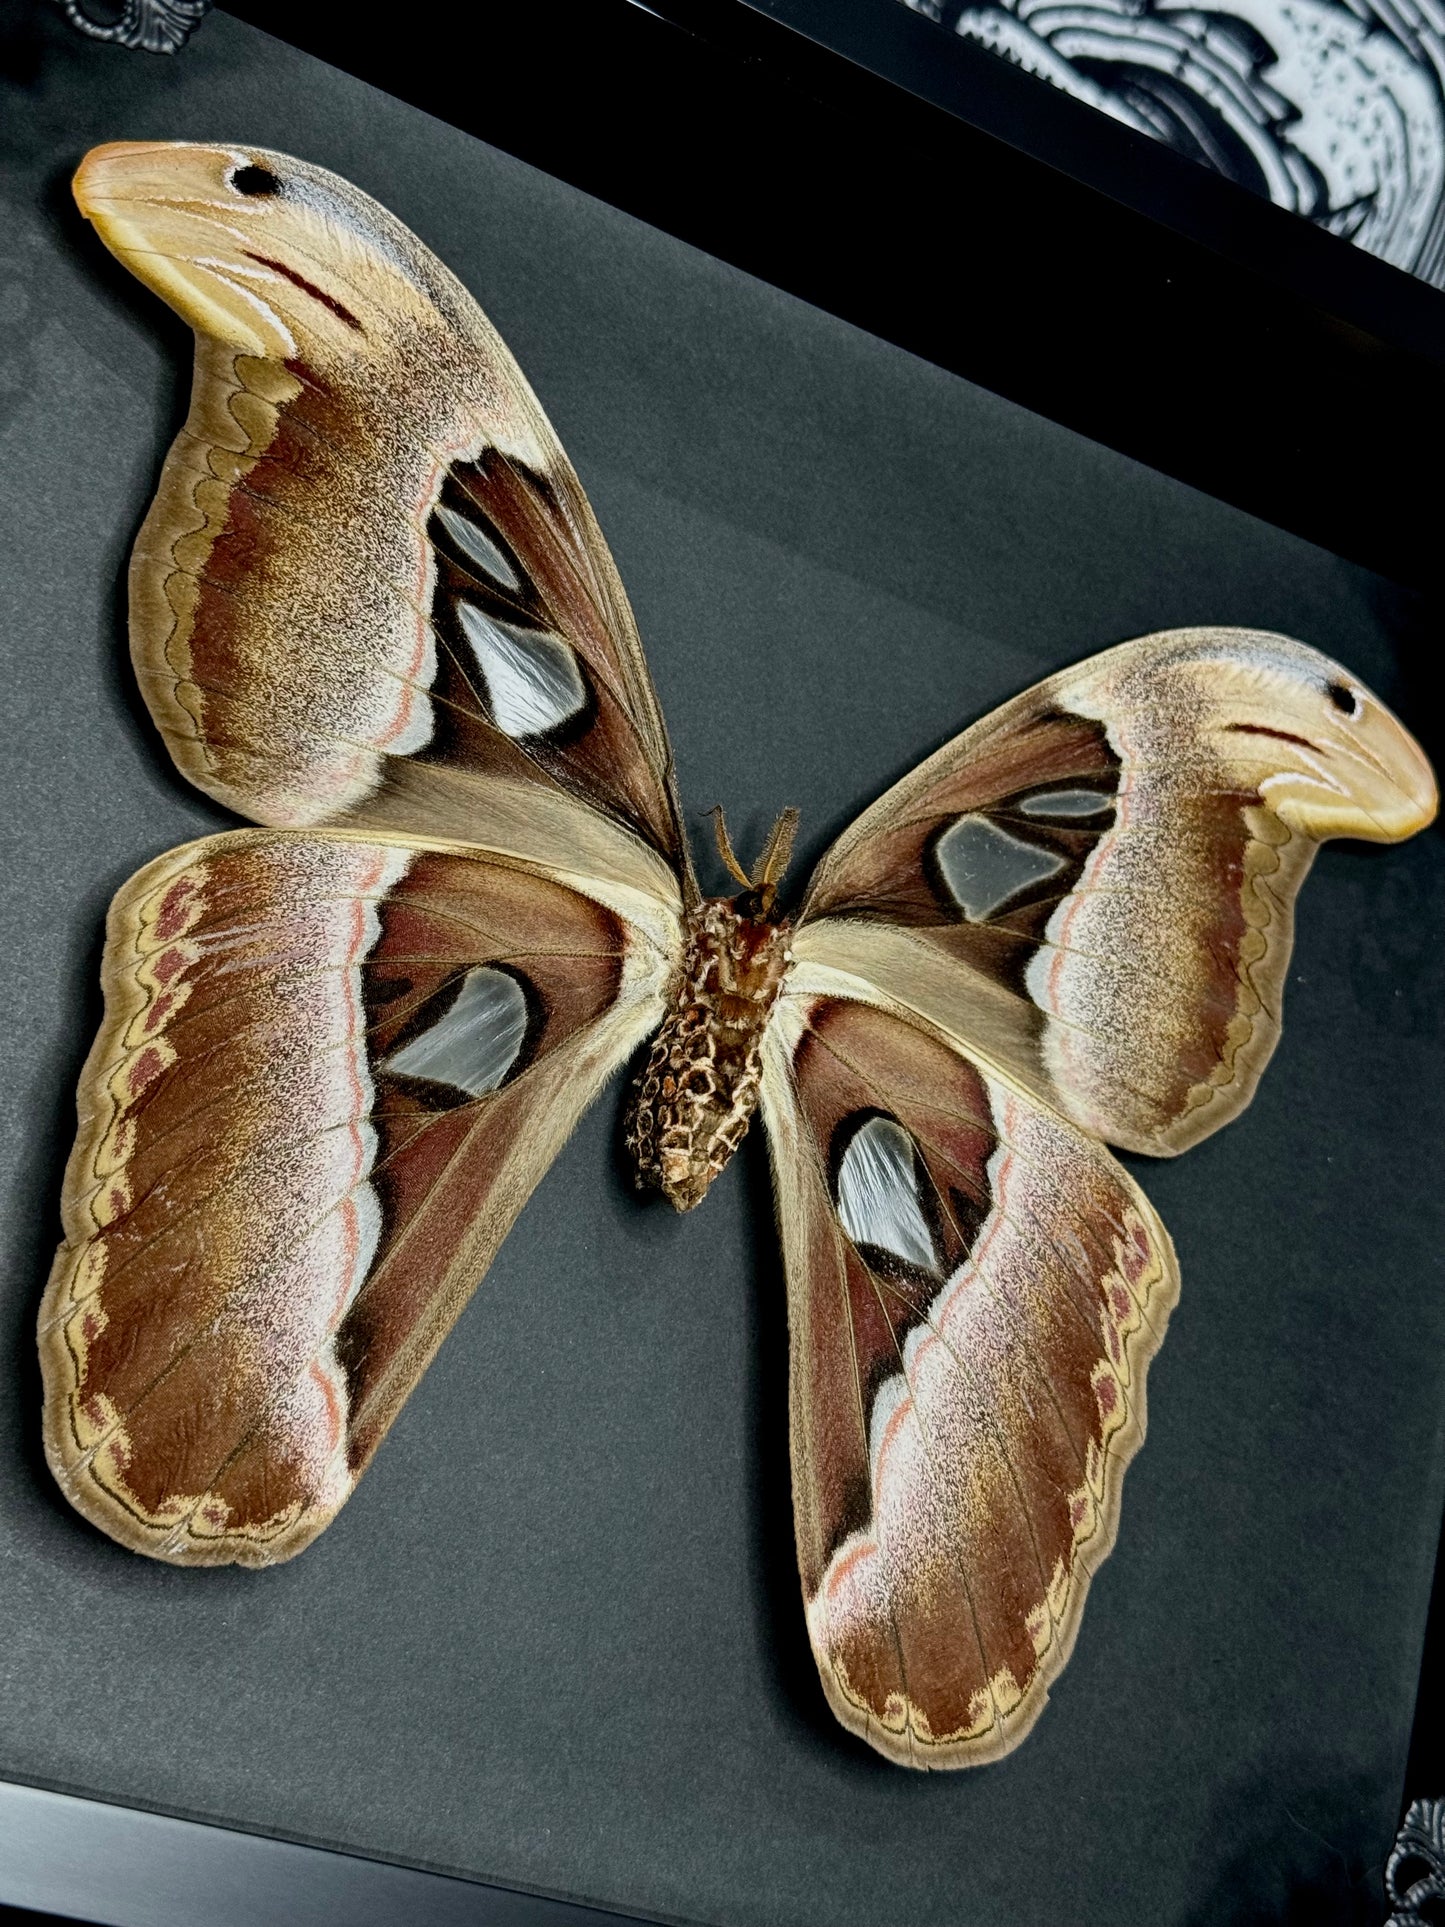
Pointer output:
x,y
311,607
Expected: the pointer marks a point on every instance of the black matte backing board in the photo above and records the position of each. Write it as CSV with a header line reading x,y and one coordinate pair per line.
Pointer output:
x,y
555,1640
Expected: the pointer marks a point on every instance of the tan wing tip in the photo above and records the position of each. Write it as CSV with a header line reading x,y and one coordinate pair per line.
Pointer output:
x,y
1416,782
1386,773
103,169
1395,794
1343,763
172,212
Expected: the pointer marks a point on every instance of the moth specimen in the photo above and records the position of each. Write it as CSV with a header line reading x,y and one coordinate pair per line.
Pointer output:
x,y
371,612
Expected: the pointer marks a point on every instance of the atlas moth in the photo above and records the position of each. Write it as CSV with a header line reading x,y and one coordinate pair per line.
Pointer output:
x,y
372,612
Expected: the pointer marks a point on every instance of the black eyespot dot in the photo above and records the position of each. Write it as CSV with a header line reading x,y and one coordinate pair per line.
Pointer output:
x,y
1344,698
255,181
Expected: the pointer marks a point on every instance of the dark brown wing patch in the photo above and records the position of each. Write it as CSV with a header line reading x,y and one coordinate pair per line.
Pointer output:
x,y
524,651
978,865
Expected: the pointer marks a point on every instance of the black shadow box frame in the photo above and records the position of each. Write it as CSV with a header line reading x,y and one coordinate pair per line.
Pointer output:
x,y
553,1646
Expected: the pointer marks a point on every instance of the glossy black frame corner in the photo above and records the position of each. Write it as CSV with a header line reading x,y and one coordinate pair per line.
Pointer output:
x,y
126,1868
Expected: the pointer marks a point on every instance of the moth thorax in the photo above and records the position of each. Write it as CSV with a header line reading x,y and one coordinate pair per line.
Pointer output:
x,y
696,1095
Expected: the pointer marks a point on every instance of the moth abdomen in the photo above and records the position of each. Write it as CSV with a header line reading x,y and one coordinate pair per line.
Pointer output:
x,y
696,1094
